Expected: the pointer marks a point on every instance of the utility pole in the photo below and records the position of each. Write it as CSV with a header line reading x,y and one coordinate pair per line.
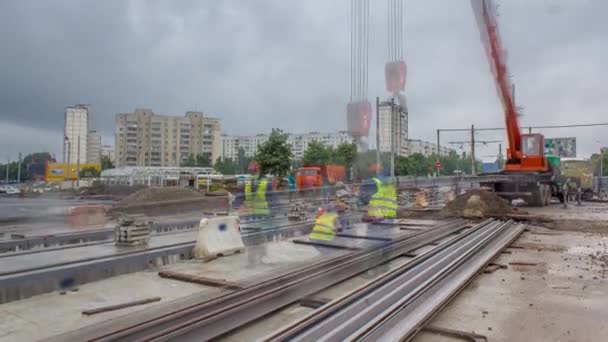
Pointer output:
x,y
67,174
500,156
473,170
78,165
438,143
601,162
19,170
8,161
393,137
377,130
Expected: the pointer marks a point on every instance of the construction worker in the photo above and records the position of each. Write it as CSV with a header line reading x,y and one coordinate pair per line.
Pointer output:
x,y
325,226
383,201
259,202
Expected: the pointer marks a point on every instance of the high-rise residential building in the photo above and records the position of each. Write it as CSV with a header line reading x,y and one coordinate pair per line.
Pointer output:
x,y
144,138
108,152
230,145
426,148
211,138
76,129
399,124
93,147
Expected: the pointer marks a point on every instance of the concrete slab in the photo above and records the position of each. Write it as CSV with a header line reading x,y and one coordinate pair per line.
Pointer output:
x,y
50,314
553,290
16,263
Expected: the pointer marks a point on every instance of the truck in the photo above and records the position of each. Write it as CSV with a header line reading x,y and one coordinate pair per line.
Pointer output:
x,y
580,172
315,176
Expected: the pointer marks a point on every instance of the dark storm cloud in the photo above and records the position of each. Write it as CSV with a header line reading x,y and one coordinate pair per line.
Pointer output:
x,y
268,63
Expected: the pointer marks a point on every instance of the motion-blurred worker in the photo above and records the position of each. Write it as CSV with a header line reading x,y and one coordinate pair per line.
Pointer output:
x,y
326,225
383,201
291,184
259,202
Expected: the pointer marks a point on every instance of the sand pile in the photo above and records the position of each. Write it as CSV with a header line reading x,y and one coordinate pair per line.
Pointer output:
x,y
477,203
149,195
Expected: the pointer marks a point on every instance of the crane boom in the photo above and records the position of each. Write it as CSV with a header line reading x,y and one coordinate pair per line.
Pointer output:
x,y
485,15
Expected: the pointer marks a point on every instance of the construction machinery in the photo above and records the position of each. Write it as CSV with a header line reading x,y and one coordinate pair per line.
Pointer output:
x,y
532,175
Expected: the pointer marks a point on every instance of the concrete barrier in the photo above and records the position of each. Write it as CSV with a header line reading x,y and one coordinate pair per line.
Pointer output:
x,y
220,235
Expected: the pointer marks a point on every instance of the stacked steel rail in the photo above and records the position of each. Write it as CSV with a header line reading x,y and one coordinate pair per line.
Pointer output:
x,y
210,318
395,306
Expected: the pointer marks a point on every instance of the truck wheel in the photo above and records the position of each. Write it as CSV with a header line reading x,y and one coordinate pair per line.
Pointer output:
x,y
547,194
538,197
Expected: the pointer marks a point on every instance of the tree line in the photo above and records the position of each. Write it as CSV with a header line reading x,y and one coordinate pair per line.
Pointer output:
x,y
275,156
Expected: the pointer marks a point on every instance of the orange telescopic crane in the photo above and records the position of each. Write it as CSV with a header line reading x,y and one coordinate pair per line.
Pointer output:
x,y
526,151
532,176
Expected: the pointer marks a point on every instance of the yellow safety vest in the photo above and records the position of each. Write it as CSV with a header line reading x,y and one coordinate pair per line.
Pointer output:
x,y
325,227
260,205
384,202
249,198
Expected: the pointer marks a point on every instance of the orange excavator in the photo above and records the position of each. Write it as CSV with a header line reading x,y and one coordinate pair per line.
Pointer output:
x,y
532,176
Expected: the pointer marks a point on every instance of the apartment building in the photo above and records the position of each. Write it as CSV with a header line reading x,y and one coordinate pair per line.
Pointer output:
x,y
144,138
108,152
76,128
426,148
93,147
211,142
399,122
230,145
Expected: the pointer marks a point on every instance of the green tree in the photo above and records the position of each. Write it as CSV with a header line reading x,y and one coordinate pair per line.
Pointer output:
x,y
106,163
595,160
274,156
203,160
317,153
38,157
89,172
345,154
226,166
189,162
362,164
242,160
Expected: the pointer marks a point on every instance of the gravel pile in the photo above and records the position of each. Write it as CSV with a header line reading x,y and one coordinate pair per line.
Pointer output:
x,y
477,203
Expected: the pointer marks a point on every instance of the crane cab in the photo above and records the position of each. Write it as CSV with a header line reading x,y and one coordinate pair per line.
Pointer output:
x,y
532,155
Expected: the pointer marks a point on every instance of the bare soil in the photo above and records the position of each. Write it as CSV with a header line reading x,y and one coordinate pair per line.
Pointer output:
x,y
477,204
150,195
116,191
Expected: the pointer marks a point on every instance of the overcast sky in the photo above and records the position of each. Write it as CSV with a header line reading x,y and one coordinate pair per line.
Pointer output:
x,y
285,63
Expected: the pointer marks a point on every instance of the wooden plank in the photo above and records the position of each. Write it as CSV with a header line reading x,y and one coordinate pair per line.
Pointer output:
x,y
221,283
120,306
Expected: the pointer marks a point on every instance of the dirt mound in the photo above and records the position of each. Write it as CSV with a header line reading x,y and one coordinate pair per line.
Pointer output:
x,y
115,190
149,195
477,203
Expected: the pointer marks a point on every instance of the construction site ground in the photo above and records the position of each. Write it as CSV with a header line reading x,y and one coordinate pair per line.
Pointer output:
x,y
554,286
